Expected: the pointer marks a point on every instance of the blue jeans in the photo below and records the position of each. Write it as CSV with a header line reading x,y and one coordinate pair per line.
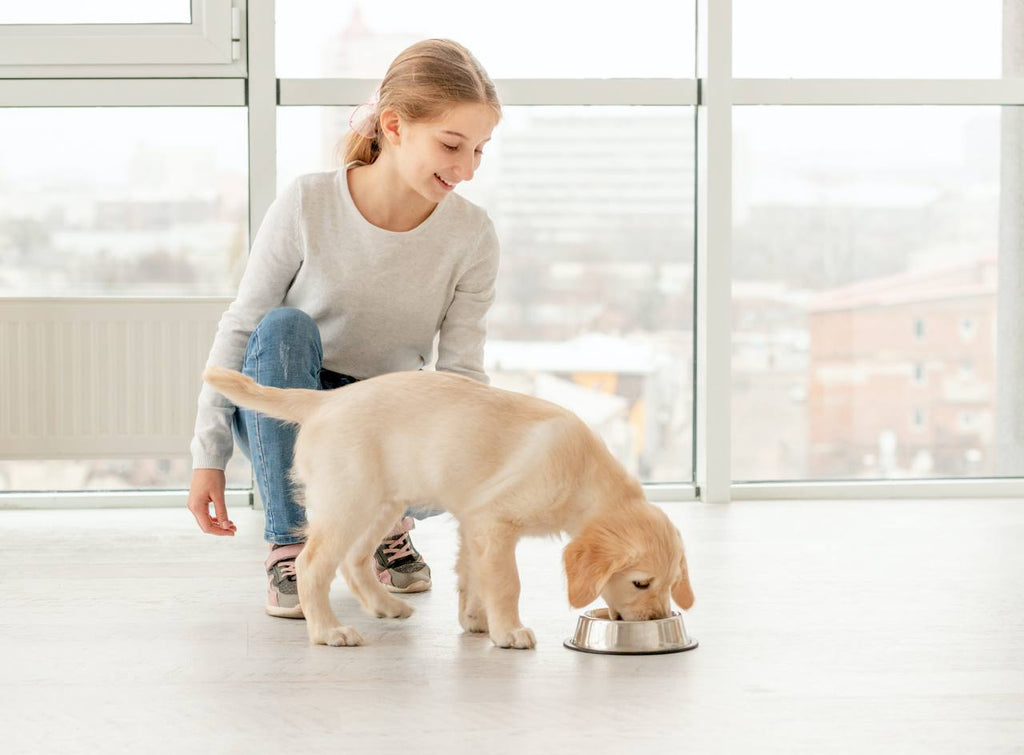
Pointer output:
x,y
284,351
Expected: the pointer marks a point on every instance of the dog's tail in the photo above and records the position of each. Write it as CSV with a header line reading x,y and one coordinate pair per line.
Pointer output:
x,y
289,404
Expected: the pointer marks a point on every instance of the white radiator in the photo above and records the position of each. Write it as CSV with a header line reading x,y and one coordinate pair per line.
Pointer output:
x,y
95,378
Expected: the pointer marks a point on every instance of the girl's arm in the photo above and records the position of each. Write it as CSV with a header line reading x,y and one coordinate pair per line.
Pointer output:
x,y
461,345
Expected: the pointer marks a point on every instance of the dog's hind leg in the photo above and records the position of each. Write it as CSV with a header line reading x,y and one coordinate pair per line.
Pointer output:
x,y
494,556
361,531
315,568
472,614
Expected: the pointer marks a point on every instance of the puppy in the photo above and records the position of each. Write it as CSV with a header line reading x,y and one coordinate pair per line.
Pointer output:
x,y
505,464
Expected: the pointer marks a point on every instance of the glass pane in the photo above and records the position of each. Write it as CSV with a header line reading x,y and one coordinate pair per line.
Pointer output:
x,y
126,201
111,474
867,266
594,210
97,12
867,39
525,39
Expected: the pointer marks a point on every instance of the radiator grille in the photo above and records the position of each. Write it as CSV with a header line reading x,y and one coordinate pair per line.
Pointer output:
x,y
96,378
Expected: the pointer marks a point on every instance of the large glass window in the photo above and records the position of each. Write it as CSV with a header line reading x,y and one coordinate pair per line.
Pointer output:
x,y
97,12
866,277
36,475
882,39
594,210
525,39
122,201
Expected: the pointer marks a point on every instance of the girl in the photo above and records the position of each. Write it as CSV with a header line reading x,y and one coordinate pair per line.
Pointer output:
x,y
352,274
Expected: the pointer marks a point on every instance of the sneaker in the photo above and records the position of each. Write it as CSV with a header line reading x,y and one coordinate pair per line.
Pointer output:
x,y
399,566
282,587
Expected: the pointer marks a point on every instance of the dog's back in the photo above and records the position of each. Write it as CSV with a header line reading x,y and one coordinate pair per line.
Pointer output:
x,y
432,437
438,437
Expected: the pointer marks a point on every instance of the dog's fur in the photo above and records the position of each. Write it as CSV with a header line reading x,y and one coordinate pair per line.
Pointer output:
x,y
504,464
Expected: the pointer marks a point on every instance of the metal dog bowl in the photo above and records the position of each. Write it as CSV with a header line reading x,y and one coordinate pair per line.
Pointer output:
x,y
596,633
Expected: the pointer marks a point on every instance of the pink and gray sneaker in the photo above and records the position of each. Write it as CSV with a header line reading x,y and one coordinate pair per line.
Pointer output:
x,y
398,565
282,587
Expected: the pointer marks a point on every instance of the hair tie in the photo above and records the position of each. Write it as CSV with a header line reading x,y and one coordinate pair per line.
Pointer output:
x,y
364,118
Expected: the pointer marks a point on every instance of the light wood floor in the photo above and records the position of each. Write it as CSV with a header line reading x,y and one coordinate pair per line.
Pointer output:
x,y
859,627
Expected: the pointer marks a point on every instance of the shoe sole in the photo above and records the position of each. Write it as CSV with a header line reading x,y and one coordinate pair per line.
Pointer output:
x,y
414,587
285,613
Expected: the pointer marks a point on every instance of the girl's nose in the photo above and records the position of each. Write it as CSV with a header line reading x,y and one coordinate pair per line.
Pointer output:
x,y
464,169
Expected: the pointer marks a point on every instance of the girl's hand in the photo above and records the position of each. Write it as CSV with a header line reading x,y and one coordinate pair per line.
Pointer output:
x,y
208,487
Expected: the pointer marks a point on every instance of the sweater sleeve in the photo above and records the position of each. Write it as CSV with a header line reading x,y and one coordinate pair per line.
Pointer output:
x,y
460,347
274,261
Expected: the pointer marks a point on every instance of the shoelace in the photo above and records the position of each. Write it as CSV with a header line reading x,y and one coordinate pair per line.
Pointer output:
x,y
287,568
397,547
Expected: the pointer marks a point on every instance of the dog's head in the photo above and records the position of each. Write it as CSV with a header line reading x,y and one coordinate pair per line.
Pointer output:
x,y
634,560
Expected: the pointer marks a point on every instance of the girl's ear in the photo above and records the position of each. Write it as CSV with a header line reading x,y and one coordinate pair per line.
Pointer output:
x,y
587,567
391,125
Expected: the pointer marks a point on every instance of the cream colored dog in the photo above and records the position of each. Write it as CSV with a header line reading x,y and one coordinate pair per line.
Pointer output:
x,y
504,464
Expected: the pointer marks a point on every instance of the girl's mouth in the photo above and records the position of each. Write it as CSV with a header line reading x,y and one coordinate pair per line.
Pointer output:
x,y
444,184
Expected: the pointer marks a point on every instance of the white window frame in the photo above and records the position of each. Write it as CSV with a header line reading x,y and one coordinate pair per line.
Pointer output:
x,y
720,94
251,81
211,45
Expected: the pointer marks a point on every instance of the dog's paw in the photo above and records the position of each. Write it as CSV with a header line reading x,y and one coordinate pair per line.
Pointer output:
x,y
473,622
392,609
339,636
520,638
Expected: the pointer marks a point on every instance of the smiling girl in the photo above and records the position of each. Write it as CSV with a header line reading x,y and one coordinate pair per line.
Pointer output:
x,y
352,274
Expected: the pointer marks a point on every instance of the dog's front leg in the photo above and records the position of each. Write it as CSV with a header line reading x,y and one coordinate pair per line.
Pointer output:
x,y
314,569
498,585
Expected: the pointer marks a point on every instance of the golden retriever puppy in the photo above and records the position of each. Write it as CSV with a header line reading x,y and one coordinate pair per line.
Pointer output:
x,y
505,464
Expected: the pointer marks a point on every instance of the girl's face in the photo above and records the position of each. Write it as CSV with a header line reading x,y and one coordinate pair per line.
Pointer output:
x,y
433,157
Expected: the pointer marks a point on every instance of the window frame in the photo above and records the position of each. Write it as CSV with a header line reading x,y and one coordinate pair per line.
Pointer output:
x,y
211,45
251,81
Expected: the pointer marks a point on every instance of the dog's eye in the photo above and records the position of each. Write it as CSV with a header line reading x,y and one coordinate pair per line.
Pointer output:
x,y
641,585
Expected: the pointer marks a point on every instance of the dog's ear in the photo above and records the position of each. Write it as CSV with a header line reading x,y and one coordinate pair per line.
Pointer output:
x,y
588,567
682,593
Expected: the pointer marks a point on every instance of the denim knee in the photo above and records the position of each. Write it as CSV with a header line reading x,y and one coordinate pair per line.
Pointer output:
x,y
288,322
284,346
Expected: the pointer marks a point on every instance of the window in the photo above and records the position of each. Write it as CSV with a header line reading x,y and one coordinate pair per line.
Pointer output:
x,y
821,39
527,39
858,232
594,307
805,228
123,201
98,12
918,421
64,475
62,38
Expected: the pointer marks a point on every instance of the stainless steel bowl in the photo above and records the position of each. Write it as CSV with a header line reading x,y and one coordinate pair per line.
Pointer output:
x,y
596,633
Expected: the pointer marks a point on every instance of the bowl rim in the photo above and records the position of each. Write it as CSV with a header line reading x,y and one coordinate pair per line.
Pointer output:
x,y
588,615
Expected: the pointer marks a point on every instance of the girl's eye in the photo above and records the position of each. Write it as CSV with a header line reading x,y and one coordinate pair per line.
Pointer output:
x,y
641,585
450,148
480,152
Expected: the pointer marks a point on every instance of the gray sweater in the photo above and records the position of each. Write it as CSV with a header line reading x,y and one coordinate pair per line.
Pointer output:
x,y
379,297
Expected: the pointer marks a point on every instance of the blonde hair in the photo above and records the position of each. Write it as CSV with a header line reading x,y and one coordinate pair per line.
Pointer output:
x,y
423,83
